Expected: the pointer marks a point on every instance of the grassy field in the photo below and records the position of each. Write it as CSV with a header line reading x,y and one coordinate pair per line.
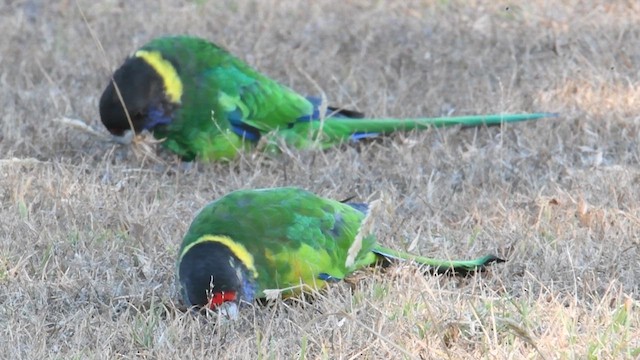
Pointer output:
x,y
89,229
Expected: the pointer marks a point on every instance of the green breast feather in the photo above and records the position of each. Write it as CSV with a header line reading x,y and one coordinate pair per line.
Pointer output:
x,y
282,238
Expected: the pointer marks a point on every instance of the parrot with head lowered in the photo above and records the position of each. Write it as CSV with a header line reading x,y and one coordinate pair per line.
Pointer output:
x,y
205,103
250,244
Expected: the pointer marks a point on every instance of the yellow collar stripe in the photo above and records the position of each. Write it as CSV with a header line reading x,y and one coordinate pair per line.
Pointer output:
x,y
168,73
236,248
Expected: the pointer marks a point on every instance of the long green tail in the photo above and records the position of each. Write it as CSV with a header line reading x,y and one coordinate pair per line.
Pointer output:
x,y
459,267
347,126
335,130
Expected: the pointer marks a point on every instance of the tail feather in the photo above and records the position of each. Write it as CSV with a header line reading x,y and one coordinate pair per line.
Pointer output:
x,y
333,130
439,266
338,129
387,125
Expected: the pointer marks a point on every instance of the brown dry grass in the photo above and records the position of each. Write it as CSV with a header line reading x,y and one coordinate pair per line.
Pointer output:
x,y
89,232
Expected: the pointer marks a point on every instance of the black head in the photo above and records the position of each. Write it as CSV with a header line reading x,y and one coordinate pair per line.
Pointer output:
x,y
210,273
142,89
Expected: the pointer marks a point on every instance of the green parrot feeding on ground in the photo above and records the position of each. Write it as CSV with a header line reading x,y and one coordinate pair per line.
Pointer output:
x,y
204,103
254,244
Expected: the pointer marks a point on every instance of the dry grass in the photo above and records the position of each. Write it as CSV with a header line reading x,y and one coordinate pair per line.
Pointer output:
x,y
89,231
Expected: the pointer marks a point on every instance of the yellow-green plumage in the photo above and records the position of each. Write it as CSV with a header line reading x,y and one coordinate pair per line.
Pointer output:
x,y
205,103
251,241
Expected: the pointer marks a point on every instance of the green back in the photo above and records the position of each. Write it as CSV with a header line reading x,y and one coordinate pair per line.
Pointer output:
x,y
292,234
215,82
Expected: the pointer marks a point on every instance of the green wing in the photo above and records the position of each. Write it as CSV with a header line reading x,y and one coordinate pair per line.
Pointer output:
x,y
224,102
294,236
252,99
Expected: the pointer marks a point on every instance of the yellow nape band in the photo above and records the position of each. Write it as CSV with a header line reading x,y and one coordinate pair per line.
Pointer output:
x,y
168,73
237,249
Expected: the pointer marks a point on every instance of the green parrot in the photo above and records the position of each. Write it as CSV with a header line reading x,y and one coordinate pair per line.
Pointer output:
x,y
252,244
205,103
